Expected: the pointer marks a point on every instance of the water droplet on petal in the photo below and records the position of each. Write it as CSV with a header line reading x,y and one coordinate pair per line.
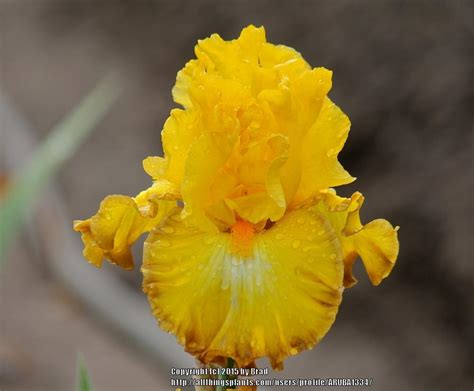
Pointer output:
x,y
296,243
293,351
279,236
300,220
333,256
225,284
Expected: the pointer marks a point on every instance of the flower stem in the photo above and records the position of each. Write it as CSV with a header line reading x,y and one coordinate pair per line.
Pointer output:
x,y
230,364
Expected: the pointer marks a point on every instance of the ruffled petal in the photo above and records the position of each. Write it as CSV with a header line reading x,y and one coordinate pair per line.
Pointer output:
x,y
119,222
320,168
206,157
308,95
376,242
279,299
191,70
267,200
181,129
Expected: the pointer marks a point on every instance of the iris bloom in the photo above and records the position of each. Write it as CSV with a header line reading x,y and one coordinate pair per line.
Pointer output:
x,y
249,246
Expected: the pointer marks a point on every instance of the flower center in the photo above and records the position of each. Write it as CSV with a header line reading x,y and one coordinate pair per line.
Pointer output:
x,y
242,235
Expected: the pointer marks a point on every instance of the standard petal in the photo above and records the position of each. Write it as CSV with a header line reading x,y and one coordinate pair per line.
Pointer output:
x,y
191,70
308,97
278,300
206,157
181,129
320,168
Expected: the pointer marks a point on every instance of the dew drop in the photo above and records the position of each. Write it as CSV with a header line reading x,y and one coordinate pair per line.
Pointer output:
x,y
300,220
236,261
321,233
225,284
293,351
333,256
279,236
296,244
306,249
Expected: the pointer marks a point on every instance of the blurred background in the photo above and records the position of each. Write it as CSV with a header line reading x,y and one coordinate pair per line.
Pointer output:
x,y
403,72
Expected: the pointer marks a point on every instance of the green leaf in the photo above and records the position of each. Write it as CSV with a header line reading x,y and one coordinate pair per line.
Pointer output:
x,y
82,378
60,145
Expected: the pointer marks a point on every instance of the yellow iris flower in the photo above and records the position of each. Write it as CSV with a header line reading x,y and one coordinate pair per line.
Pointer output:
x,y
249,248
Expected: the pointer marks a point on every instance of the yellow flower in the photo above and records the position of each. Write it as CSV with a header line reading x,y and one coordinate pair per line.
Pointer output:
x,y
249,248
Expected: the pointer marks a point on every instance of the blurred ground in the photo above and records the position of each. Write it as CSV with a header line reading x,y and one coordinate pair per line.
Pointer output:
x,y
45,329
403,72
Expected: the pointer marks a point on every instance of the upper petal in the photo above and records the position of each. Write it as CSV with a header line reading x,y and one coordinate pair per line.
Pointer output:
x,y
320,168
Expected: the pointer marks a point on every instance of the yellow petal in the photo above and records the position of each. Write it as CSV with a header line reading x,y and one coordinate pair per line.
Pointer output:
x,y
206,157
254,92
278,300
155,166
191,70
376,242
181,129
92,252
320,168
117,225
266,201
307,109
